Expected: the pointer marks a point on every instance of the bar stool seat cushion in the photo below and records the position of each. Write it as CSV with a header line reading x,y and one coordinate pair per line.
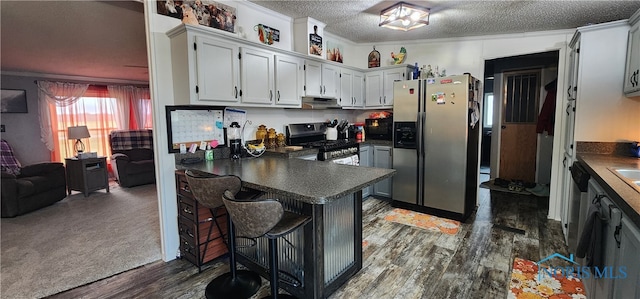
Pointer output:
x,y
288,222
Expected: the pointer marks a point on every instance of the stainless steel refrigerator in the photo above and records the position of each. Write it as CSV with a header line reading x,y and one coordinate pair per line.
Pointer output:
x,y
435,145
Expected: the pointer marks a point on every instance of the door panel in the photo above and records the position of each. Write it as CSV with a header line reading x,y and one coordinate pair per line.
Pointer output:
x,y
518,144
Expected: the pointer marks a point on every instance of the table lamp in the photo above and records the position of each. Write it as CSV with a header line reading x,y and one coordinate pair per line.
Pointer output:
x,y
78,133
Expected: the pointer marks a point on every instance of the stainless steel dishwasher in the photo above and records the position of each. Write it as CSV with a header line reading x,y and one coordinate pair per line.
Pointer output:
x,y
578,204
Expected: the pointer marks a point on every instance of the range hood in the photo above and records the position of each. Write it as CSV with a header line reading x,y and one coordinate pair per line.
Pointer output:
x,y
310,103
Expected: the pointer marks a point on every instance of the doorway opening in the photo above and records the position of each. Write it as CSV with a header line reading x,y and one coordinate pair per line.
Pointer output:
x,y
525,75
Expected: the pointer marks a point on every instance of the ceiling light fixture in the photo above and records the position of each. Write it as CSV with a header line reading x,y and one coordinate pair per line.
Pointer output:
x,y
404,16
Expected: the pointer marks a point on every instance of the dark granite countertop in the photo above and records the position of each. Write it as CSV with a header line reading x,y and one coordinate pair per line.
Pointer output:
x,y
288,153
313,182
376,142
623,195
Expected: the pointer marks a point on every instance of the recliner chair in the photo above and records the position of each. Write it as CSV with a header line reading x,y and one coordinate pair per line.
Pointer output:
x,y
132,153
29,188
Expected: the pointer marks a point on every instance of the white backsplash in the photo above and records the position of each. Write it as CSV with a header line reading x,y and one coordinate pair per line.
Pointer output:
x,y
279,118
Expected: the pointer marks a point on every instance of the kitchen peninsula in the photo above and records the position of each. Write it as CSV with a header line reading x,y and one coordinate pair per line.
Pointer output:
x,y
328,250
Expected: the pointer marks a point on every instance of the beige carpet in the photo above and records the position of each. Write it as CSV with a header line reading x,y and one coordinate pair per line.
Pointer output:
x,y
78,240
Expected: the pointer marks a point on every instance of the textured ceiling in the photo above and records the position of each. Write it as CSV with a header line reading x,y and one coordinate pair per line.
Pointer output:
x,y
358,20
106,39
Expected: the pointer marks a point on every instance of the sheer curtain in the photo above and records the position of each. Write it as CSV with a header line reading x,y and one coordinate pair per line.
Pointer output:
x,y
122,94
132,101
96,109
142,108
55,94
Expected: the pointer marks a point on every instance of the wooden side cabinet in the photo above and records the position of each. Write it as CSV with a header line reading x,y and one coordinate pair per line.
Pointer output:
x,y
200,241
87,175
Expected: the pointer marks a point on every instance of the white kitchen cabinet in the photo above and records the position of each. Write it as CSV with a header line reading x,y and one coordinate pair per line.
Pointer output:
x,y
569,126
382,158
373,88
198,61
257,73
391,76
567,186
289,77
358,89
346,88
632,67
330,80
351,89
379,85
628,257
366,159
612,216
321,79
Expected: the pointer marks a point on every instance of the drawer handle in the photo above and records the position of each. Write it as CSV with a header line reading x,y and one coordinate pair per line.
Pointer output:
x,y
188,211
186,189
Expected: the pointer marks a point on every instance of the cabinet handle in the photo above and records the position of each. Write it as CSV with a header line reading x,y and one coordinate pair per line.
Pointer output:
x,y
380,100
236,89
569,92
616,234
278,96
270,95
568,108
320,89
385,99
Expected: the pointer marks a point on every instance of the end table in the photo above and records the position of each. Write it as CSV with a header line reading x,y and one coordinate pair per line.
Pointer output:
x,y
87,175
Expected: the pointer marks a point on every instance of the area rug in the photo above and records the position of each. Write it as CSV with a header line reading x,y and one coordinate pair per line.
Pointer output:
x,y
526,283
79,240
424,221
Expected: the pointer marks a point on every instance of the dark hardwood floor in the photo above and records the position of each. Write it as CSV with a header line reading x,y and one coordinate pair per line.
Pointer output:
x,y
399,261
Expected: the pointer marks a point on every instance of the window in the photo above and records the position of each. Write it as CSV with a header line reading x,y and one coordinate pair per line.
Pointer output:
x,y
488,110
96,109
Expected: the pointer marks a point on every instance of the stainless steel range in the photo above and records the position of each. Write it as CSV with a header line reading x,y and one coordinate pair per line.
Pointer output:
x,y
312,135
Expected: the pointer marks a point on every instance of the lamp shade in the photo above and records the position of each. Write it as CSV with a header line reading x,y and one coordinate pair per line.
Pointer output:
x,y
404,16
78,132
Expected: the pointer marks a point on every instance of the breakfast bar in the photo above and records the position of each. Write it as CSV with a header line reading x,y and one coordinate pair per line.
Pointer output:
x,y
327,251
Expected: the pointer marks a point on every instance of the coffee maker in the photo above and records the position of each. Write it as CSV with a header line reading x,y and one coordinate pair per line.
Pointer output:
x,y
234,134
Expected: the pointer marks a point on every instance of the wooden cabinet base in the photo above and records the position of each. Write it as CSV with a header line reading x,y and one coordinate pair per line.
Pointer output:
x,y
200,239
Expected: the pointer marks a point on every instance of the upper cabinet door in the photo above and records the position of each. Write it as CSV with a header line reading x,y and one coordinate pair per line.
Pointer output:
x,y
288,80
257,76
346,88
391,76
373,83
330,81
632,69
313,78
358,89
217,69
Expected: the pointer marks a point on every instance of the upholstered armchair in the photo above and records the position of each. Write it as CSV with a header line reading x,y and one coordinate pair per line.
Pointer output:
x,y
132,157
29,188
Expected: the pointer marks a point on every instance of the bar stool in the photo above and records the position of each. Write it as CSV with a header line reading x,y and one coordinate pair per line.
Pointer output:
x,y
264,217
208,190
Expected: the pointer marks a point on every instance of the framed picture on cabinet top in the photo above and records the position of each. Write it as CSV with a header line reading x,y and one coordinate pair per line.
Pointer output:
x,y
202,12
13,101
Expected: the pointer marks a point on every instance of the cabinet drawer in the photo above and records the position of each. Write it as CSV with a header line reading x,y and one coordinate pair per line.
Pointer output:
x,y
187,228
183,187
187,210
188,250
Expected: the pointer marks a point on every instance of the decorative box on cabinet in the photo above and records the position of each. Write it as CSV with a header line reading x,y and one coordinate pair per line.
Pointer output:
x,y
87,175
194,222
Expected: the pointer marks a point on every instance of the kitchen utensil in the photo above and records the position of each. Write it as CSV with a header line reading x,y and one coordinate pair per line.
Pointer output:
x,y
332,133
